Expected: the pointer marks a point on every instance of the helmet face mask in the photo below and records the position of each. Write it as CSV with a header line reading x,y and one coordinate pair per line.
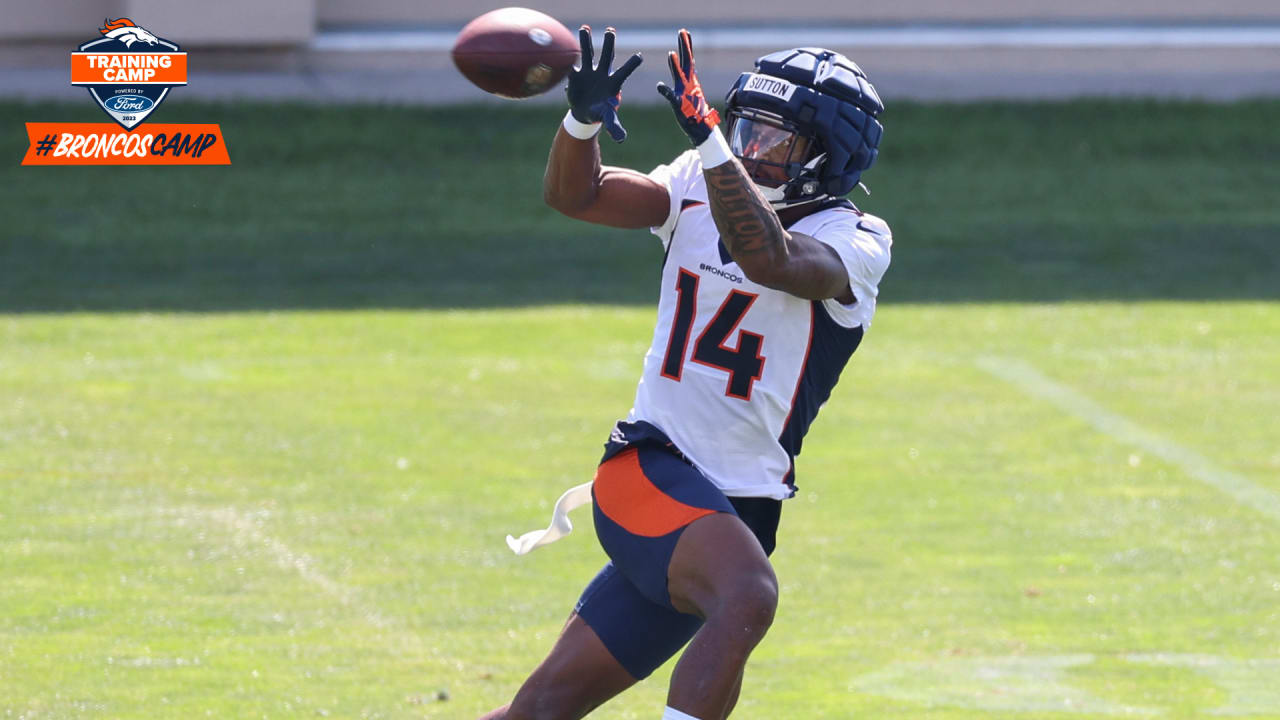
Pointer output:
x,y
776,154
820,107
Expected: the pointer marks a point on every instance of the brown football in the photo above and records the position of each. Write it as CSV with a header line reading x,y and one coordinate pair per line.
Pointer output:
x,y
515,52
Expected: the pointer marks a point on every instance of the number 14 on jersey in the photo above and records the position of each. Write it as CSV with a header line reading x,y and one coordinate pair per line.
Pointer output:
x,y
744,363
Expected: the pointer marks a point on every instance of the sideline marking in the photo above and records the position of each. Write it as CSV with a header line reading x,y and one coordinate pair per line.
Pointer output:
x,y
1031,381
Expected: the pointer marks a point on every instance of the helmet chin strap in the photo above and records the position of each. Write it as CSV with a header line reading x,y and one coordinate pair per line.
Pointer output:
x,y
778,202
777,195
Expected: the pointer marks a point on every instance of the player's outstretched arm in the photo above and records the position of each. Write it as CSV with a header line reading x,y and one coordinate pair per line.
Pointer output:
x,y
576,183
749,227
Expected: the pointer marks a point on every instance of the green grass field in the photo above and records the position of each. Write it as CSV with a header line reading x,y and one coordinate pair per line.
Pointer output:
x,y
263,428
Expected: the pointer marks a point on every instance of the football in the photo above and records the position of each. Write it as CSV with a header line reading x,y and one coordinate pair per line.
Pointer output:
x,y
515,52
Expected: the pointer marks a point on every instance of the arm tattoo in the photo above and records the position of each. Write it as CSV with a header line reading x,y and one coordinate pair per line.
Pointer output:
x,y
758,242
747,224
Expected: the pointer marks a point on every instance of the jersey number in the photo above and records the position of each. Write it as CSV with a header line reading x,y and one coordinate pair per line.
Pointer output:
x,y
743,363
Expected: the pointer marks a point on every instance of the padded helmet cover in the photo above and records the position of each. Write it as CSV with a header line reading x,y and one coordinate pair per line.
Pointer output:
x,y
832,101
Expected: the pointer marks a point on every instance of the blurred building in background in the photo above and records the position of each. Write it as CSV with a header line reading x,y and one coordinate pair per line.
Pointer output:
x,y
398,50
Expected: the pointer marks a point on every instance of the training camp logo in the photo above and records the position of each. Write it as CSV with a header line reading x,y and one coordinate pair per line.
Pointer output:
x,y
128,71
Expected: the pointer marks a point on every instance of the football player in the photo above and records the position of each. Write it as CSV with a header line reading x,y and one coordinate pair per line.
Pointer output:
x,y
769,280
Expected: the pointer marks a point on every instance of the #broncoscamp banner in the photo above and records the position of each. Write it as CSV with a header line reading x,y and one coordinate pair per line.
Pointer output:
x,y
128,72
107,144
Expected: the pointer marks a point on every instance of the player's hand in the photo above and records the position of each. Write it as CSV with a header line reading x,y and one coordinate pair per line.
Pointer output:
x,y
695,115
595,91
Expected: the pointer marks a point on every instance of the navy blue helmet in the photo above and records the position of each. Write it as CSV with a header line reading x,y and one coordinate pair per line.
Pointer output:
x,y
804,124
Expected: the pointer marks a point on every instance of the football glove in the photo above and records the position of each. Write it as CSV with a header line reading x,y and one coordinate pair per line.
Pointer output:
x,y
696,117
595,91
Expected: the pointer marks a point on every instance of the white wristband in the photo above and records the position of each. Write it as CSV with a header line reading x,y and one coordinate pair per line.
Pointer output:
x,y
580,130
714,150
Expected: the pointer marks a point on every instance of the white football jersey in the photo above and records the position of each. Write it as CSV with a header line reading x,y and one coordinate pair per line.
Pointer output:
x,y
737,371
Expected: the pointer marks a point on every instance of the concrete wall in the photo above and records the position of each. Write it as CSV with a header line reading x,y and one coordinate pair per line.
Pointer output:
x,y
672,12
186,22
293,22
31,20
228,22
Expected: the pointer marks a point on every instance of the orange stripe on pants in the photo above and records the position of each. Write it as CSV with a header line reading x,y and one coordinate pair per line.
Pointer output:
x,y
627,497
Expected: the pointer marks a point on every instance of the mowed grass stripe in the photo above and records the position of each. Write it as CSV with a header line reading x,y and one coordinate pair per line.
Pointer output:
x,y
1033,382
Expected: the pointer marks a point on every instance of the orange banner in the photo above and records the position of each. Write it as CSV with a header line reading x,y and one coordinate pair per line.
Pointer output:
x,y
110,144
132,68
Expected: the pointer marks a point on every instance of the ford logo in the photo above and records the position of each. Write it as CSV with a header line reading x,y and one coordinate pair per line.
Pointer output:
x,y
128,103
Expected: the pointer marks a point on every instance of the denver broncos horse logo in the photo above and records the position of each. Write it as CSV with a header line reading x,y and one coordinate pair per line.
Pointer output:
x,y
124,30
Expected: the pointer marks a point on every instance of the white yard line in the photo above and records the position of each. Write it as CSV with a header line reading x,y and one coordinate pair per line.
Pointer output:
x,y
1034,383
246,530
713,38
996,685
1046,683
